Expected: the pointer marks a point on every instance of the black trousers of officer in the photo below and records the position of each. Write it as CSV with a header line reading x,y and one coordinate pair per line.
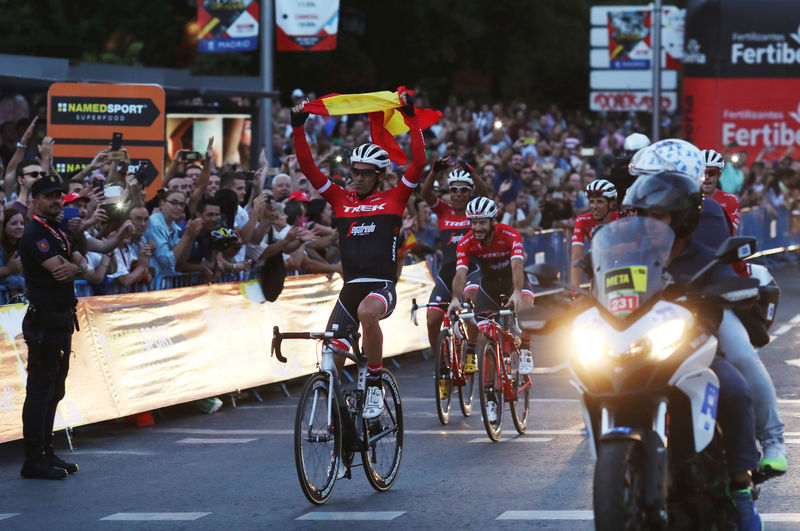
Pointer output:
x,y
49,338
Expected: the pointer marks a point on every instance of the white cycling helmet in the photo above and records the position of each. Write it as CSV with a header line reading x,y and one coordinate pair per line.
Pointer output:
x,y
481,207
371,154
671,154
601,188
713,159
459,176
635,142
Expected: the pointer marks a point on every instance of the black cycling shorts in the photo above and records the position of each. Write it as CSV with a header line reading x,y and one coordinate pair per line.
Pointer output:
x,y
345,313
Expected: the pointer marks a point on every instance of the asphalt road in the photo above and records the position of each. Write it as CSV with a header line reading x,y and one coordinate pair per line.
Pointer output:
x,y
235,469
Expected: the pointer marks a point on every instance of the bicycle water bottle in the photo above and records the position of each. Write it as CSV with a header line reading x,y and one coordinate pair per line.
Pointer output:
x,y
443,393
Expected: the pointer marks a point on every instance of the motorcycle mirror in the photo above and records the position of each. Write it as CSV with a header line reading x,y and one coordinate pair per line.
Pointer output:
x,y
736,248
545,274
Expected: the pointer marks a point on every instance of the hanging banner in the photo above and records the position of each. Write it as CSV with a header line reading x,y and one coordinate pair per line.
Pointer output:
x,y
227,25
304,26
83,117
742,79
141,351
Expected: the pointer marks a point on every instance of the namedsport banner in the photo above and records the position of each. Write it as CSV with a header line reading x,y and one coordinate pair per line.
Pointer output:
x,y
142,351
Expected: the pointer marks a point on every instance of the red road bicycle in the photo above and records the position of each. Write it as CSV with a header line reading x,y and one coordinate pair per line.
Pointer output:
x,y
450,358
499,379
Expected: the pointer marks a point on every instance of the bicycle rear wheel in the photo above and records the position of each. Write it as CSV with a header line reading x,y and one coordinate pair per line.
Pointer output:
x,y
444,377
521,404
489,387
384,436
317,444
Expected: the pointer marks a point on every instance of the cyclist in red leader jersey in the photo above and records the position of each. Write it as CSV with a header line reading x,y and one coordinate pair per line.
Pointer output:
x,y
453,226
497,249
368,222
730,204
602,209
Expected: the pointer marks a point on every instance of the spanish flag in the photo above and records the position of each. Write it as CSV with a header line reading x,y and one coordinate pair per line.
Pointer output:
x,y
410,243
385,118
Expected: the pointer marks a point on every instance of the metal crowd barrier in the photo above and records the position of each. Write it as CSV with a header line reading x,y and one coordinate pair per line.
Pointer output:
x,y
774,235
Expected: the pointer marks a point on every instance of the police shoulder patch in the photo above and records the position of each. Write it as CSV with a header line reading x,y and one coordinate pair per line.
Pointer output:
x,y
43,245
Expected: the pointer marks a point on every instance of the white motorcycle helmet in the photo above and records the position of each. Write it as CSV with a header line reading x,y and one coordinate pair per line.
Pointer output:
x,y
671,154
635,141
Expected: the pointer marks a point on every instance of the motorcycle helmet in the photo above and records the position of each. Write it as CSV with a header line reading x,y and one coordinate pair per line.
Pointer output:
x,y
670,191
670,154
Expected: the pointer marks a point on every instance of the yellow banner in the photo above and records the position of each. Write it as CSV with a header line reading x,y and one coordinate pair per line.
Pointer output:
x,y
141,351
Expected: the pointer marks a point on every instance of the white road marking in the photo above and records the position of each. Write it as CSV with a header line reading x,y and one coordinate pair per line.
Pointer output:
x,y
543,400
478,432
780,517
351,515
782,329
790,401
520,439
110,452
546,515
194,440
153,517
791,441
205,431
5,516
795,319
795,362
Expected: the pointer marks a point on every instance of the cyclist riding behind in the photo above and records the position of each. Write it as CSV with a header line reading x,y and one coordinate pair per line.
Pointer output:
x,y
368,222
497,249
714,164
453,226
602,209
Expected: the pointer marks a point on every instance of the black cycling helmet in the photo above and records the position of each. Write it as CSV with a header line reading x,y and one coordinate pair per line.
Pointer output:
x,y
670,191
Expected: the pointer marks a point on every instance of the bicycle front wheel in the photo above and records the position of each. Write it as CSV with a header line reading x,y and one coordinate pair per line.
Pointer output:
x,y
317,443
444,377
490,389
522,398
384,436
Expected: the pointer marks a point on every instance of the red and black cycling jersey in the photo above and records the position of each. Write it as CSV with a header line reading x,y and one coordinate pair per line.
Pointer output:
x,y
494,260
452,229
730,205
368,228
586,225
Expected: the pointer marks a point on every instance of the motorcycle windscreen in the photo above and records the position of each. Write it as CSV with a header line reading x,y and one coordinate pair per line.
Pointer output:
x,y
628,257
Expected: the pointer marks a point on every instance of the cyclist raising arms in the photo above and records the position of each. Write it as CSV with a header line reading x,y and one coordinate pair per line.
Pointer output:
x,y
368,222
453,225
602,209
497,249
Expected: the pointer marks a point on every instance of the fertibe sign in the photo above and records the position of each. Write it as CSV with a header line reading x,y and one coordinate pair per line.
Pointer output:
x,y
742,75
82,117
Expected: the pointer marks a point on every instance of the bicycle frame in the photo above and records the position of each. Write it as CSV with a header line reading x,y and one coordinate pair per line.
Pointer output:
x,y
457,335
504,342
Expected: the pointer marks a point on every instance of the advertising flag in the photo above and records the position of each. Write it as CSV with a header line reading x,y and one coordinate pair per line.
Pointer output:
x,y
227,25
304,26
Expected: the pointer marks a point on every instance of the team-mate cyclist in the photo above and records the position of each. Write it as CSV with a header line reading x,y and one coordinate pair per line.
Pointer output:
x,y
714,163
602,209
453,226
368,222
497,249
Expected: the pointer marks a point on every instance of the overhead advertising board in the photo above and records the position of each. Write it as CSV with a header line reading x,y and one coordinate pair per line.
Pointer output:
x,y
304,26
227,25
742,75
82,117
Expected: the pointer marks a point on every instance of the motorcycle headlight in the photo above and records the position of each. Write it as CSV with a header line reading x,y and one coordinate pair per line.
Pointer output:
x,y
665,338
591,346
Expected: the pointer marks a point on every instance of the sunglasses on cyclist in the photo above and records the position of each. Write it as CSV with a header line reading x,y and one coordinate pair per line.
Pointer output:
x,y
358,172
713,172
454,189
35,173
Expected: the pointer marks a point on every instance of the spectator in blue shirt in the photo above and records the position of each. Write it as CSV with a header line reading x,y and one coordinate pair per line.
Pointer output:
x,y
170,246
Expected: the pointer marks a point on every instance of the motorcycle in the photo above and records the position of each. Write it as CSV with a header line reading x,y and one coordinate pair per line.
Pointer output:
x,y
643,346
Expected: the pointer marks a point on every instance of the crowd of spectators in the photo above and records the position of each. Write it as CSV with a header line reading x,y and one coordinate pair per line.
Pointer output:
x,y
220,221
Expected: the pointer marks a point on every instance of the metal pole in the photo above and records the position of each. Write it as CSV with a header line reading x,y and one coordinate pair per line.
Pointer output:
x,y
265,108
656,41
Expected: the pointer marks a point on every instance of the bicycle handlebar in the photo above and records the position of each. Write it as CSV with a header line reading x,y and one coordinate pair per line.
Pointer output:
x,y
278,336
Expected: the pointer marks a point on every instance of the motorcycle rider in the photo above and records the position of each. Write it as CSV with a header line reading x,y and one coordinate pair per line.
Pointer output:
x,y
713,229
674,198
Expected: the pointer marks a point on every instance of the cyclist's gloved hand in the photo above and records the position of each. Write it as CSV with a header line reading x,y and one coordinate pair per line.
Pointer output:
x,y
441,164
455,306
298,117
408,100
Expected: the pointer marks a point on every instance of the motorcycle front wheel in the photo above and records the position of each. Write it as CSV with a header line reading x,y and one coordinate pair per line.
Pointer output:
x,y
619,478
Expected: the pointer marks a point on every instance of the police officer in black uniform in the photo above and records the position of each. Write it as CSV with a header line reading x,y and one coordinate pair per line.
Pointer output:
x,y
50,264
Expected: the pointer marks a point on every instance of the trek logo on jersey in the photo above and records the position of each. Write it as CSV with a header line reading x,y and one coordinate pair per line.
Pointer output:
x,y
363,208
360,230
455,224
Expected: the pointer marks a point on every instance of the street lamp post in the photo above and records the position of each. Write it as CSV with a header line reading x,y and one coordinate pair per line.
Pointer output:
x,y
656,41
